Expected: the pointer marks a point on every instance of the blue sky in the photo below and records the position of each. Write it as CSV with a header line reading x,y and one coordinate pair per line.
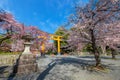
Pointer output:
x,y
47,15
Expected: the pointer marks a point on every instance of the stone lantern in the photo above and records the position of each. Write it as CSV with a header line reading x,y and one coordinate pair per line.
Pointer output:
x,y
27,44
26,63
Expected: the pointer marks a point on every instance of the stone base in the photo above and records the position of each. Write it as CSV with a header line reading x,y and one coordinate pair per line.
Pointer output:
x,y
25,64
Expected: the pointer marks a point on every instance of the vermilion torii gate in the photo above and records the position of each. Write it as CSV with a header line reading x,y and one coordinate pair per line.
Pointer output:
x,y
52,37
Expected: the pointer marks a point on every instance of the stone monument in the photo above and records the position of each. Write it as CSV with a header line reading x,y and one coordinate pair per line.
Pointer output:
x,y
26,63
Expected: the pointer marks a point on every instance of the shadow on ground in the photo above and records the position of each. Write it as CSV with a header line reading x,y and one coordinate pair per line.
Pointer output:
x,y
102,57
14,70
84,64
77,62
2,71
46,72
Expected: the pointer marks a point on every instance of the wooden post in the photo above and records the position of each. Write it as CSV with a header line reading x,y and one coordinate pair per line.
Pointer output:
x,y
58,39
43,47
43,44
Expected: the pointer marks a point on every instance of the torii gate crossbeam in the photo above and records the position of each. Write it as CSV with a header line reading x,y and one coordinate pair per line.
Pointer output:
x,y
52,37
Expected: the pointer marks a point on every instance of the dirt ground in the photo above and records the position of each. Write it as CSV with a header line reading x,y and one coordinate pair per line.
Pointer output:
x,y
69,68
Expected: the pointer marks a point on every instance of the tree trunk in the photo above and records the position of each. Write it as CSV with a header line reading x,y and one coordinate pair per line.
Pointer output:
x,y
42,54
97,58
96,55
103,50
113,56
95,50
113,53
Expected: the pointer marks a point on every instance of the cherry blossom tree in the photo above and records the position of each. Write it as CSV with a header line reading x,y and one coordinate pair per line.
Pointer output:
x,y
112,37
17,46
91,19
11,28
74,40
16,31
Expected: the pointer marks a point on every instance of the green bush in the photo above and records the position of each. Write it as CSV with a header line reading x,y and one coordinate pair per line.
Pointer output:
x,y
50,51
87,48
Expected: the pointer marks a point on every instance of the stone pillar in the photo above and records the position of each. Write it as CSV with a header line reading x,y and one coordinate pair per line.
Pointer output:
x,y
26,63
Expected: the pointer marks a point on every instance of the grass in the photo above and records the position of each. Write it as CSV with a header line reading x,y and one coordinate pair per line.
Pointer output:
x,y
9,53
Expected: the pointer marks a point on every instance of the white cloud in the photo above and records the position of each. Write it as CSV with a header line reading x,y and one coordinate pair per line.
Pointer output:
x,y
42,23
59,3
4,4
62,3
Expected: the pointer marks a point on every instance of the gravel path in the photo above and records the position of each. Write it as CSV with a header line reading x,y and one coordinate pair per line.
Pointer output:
x,y
72,68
